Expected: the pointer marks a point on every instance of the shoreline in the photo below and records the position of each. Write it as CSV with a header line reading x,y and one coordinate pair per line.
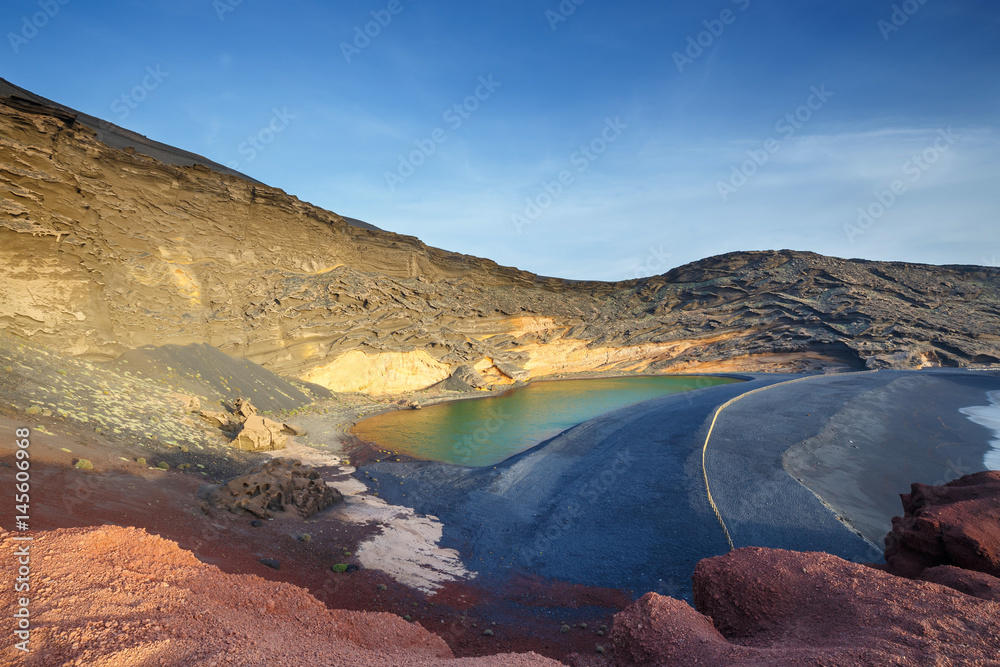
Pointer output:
x,y
523,515
988,416
368,449
524,498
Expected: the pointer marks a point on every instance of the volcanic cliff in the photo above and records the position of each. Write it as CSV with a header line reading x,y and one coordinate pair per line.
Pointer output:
x,y
105,249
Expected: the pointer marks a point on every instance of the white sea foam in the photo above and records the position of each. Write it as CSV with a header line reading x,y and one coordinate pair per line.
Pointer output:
x,y
988,416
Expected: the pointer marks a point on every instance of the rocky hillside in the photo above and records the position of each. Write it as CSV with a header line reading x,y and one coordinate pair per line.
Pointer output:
x,y
106,249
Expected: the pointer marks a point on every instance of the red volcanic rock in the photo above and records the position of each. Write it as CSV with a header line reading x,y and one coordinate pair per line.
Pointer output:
x,y
660,630
976,584
955,524
773,607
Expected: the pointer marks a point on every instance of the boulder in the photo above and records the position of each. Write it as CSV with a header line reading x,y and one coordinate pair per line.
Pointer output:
x,y
187,402
279,485
244,409
661,630
221,420
260,434
255,433
955,524
289,429
781,608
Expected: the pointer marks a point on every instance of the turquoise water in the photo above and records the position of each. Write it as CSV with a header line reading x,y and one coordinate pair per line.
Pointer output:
x,y
485,431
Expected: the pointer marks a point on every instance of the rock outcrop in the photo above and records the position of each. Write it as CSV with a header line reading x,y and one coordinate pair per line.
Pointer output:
x,y
253,432
766,606
119,250
955,524
260,434
279,485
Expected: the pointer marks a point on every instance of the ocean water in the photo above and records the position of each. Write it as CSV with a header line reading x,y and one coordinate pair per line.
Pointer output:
x,y
485,431
988,416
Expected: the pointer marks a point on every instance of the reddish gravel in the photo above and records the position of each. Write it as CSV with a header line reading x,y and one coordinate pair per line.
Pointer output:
x,y
167,504
976,584
119,596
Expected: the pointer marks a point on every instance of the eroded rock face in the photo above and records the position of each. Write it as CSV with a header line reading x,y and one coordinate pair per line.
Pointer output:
x,y
955,524
254,433
260,434
774,607
221,260
277,486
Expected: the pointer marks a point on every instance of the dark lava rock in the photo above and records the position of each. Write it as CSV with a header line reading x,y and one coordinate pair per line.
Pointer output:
x,y
278,485
271,563
256,523
955,524
351,567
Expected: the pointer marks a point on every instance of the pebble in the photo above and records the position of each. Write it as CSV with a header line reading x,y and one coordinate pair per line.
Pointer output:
x,y
256,523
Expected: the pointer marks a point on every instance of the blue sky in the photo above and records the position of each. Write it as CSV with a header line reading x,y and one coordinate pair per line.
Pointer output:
x,y
596,140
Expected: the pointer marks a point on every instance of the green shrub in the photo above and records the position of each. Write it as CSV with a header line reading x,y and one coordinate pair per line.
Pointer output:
x,y
339,567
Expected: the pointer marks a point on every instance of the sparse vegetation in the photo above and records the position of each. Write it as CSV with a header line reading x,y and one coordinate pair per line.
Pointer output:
x,y
83,464
342,567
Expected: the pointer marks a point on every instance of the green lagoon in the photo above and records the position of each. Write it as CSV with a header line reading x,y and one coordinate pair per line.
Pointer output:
x,y
483,432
